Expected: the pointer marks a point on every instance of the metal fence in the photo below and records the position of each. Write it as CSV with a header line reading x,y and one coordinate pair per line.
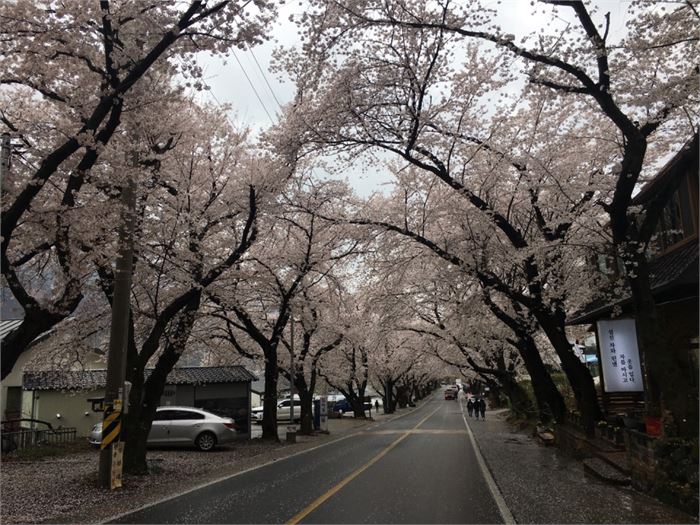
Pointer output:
x,y
27,437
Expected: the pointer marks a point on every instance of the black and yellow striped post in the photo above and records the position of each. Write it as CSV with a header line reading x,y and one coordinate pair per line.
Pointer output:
x,y
111,430
111,426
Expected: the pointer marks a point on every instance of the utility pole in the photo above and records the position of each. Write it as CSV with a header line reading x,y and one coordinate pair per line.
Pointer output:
x,y
111,446
292,373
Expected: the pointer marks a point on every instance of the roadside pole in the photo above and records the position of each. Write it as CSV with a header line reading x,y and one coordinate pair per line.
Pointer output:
x,y
292,373
112,447
323,407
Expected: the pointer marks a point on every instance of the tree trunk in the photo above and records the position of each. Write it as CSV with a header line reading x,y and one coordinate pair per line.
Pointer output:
x,y
519,400
306,420
402,395
550,402
576,372
137,426
146,394
269,422
306,397
357,400
388,397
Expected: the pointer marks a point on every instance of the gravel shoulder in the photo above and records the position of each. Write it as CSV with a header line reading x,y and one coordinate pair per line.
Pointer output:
x,y
65,490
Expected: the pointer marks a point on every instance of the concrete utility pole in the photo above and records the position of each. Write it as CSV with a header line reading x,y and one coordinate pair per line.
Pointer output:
x,y
112,447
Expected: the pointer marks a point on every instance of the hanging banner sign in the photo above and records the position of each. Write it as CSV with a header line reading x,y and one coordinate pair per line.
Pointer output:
x,y
619,356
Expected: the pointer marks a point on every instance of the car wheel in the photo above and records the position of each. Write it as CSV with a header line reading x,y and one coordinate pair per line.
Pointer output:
x,y
205,441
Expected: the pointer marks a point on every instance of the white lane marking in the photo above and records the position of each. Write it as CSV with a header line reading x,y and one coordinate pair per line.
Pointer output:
x,y
495,491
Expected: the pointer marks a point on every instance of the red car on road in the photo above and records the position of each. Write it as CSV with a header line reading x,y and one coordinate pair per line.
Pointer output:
x,y
450,394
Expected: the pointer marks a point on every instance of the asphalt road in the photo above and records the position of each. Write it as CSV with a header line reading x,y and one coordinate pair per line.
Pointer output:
x,y
419,468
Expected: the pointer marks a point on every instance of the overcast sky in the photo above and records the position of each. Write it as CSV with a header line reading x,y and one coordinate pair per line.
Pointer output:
x,y
255,94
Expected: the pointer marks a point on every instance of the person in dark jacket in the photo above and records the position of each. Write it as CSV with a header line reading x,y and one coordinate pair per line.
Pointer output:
x,y
470,407
482,407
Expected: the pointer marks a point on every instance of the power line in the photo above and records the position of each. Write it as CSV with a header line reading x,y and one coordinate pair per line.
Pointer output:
x,y
253,87
250,49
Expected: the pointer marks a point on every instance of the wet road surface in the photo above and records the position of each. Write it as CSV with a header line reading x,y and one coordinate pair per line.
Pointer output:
x,y
419,468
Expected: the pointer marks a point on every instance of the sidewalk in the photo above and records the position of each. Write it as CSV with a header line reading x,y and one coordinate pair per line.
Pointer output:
x,y
541,485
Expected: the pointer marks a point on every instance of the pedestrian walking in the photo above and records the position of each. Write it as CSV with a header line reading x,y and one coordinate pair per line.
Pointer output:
x,y
482,408
470,407
376,406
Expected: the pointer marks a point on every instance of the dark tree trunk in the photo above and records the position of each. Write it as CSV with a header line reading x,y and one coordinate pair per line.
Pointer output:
x,y
138,425
357,401
306,397
576,372
519,400
402,395
269,422
306,418
550,402
388,400
146,394
505,378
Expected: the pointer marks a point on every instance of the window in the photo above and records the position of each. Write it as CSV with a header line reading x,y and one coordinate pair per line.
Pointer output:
x,y
679,218
164,415
186,414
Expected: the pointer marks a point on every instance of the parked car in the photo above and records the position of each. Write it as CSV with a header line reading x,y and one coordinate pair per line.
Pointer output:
x,y
283,411
344,406
183,426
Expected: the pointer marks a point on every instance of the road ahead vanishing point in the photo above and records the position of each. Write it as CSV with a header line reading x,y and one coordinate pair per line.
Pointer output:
x,y
419,468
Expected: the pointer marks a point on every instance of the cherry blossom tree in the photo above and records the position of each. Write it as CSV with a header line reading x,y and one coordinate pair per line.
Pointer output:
x,y
69,72
638,90
197,219
301,250
347,369
322,331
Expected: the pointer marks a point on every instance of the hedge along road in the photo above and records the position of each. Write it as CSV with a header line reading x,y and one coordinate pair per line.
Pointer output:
x,y
419,468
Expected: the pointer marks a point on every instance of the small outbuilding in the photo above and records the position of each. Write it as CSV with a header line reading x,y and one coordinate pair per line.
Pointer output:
x,y
66,398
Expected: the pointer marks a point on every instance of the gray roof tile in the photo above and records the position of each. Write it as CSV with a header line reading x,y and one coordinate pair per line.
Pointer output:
x,y
96,379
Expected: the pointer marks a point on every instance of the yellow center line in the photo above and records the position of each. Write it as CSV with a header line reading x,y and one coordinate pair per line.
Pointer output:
x,y
324,497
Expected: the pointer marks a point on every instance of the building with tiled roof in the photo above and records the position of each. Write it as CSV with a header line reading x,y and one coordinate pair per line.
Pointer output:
x,y
95,379
70,398
674,284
